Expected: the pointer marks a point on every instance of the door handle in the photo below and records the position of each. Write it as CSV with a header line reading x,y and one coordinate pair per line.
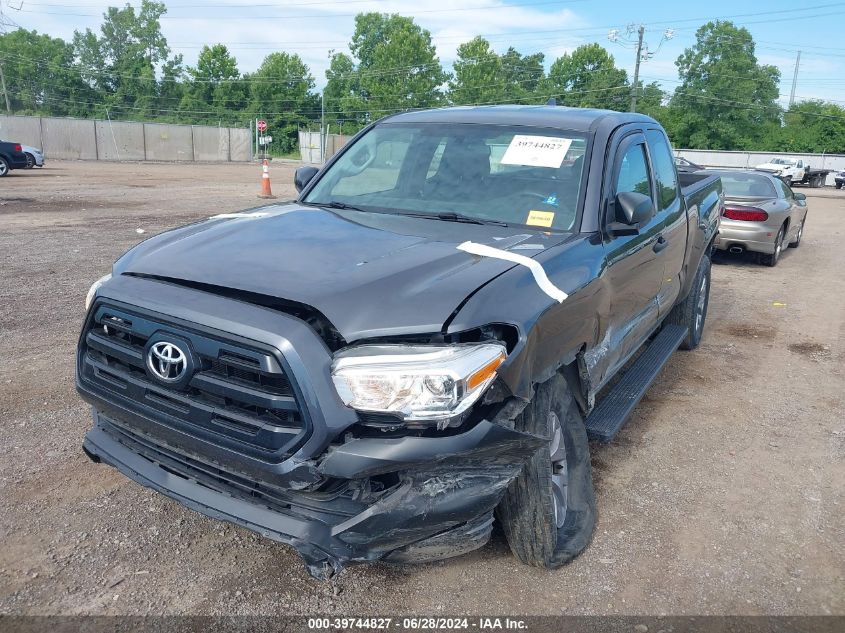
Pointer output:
x,y
660,244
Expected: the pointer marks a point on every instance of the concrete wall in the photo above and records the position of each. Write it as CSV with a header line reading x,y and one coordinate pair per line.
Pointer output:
x,y
21,129
168,142
309,145
744,160
69,138
210,142
124,140
240,144
119,140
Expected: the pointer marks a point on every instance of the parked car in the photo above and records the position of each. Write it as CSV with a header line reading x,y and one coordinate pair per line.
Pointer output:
x,y
11,157
34,156
761,214
839,179
787,169
686,165
417,342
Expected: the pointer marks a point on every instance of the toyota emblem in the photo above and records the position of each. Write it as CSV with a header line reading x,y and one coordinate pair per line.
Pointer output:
x,y
167,361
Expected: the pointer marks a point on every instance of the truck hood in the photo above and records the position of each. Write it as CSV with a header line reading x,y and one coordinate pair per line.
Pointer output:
x,y
369,274
773,167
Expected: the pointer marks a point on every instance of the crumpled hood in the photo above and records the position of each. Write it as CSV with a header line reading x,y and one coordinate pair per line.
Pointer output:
x,y
369,274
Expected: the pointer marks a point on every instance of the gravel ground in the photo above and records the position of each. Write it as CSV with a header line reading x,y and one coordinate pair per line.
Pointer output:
x,y
722,495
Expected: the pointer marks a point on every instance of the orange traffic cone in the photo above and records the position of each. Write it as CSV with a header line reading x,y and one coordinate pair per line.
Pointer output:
x,y
266,192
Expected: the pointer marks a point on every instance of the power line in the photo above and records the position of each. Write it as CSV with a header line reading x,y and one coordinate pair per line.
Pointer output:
x,y
318,15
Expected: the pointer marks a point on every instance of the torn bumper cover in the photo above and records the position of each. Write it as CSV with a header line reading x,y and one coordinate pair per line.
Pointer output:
x,y
409,499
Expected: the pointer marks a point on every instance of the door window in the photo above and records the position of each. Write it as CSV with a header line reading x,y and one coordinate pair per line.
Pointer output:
x,y
633,171
787,192
664,169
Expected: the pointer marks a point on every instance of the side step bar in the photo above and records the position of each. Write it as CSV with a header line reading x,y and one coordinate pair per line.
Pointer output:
x,y
615,408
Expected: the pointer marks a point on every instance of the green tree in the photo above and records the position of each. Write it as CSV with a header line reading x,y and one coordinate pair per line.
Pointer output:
x,y
478,74
281,90
650,98
811,126
343,97
171,87
215,90
121,63
523,75
397,64
40,76
588,78
726,99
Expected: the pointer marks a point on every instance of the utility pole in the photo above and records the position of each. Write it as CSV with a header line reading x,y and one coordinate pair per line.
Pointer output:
x,y
640,32
3,85
794,79
322,126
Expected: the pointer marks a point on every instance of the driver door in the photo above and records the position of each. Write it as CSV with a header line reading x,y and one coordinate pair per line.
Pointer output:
x,y
634,269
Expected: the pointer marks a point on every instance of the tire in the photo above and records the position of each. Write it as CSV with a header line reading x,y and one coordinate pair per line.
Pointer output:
x,y
797,242
691,313
788,180
773,259
541,531
4,167
839,185
30,161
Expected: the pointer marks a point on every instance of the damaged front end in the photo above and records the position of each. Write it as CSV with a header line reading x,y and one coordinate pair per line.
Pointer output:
x,y
256,433
412,499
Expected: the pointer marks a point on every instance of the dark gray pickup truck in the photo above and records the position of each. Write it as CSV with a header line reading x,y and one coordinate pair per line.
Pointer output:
x,y
417,344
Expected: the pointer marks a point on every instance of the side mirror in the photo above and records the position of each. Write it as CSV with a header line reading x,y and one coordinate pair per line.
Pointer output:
x,y
632,209
799,196
303,176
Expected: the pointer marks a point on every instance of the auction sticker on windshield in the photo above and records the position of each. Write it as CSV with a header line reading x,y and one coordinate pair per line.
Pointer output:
x,y
540,218
536,151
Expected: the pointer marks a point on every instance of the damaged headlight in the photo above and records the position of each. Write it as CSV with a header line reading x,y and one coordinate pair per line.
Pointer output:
x,y
92,291
416,382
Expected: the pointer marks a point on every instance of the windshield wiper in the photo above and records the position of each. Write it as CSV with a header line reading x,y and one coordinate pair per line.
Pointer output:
x,y
334,204
449,216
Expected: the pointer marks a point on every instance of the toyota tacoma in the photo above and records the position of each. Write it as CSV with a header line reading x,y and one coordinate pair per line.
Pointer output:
x,y
422,343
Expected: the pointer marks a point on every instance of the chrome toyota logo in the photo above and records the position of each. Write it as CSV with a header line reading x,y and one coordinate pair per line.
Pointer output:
x,y
167,361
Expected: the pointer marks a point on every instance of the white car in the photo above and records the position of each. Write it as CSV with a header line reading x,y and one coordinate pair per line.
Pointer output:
x,y
787,169
34,156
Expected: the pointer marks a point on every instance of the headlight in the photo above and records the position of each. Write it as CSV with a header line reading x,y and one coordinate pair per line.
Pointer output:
x,y
92,291
429,383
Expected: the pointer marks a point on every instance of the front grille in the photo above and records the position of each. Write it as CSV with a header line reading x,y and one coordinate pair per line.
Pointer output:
x,y
239,397
333,505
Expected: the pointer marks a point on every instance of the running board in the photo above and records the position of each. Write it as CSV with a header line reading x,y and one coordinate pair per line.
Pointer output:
x,y
615,408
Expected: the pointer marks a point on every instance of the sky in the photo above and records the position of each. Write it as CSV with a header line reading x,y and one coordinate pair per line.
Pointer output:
x,y
313,28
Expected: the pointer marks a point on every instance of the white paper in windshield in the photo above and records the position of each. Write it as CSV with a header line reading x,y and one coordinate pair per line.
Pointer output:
x,y
536,151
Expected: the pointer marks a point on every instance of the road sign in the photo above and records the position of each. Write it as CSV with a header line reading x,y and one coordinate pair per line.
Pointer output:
x,y
265,140
262,125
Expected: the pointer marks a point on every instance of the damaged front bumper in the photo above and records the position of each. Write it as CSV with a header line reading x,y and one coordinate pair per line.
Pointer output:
x,y
409,499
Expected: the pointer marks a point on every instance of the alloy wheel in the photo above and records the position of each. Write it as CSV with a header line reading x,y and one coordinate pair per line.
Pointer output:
x,y
560,475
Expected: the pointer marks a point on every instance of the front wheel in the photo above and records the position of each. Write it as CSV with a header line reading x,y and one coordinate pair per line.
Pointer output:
x,y
548,513
691,313
30,161
4,167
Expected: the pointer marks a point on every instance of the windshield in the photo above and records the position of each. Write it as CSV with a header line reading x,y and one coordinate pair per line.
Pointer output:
x,y
493,173
748,185
782,161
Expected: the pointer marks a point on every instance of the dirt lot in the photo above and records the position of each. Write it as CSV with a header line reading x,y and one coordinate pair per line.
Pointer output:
x,y
724,494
